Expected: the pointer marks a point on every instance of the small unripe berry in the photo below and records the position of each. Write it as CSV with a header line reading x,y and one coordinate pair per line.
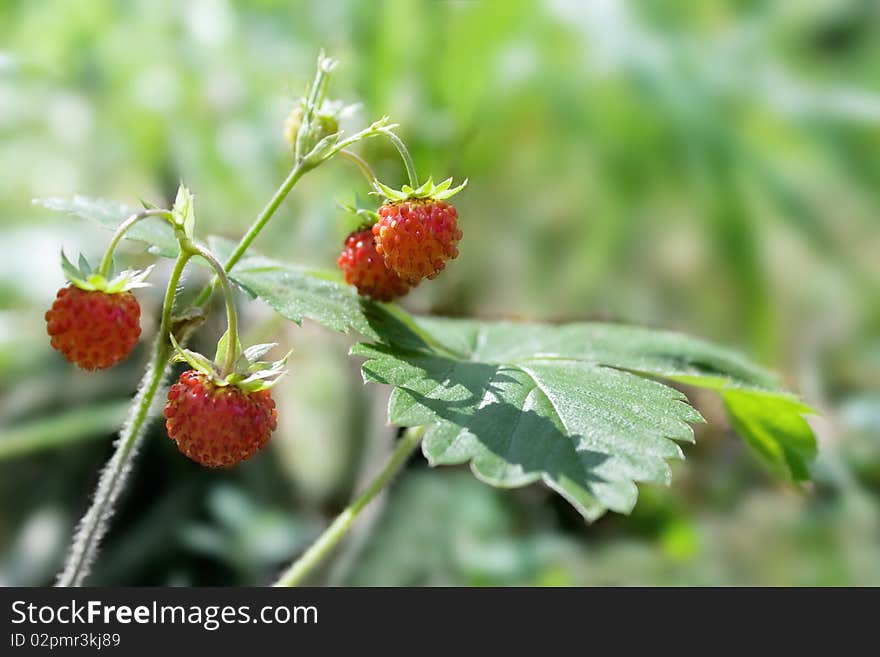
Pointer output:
x,y
326,125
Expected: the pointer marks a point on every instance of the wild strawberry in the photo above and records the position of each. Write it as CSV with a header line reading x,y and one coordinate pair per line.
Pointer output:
x,y
94,322
417,232
363,267
95,330
220,419
218,426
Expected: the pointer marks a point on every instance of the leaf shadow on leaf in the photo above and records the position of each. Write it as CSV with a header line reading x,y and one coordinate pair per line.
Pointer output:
x,y
526,444
493,415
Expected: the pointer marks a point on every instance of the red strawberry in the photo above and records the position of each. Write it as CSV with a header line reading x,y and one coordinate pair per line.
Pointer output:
x,y
417,232
94,329
363,267
417,237
218,426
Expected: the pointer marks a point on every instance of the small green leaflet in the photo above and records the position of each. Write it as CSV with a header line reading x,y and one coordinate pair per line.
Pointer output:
x,y
109,214
571,405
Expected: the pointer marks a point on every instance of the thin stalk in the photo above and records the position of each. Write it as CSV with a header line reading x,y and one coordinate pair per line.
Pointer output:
x,y
310,559
93,526
107,260
407,158
361,164
231,315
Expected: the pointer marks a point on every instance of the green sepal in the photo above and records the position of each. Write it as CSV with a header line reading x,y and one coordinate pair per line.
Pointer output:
x,y
223,348
195,360
260,375
85,278
321,150
183,211
84,265
249,374
427,190
253,353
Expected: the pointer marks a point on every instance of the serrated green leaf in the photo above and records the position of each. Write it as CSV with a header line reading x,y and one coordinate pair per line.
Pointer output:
x,y
774,427
299,293
109,214
571,405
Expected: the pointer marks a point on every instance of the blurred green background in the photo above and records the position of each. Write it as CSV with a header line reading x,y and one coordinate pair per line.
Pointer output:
x,y
709,167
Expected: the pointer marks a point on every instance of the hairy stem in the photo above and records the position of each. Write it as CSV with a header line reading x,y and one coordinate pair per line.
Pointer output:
x,y
107,260
93,525
313,556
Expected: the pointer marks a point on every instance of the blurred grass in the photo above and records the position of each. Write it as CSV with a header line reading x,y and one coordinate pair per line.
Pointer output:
x,y
709,167
63,429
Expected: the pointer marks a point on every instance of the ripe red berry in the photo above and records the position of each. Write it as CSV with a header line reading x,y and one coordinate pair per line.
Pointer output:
x,y
93,329
363,267
417,237
218,426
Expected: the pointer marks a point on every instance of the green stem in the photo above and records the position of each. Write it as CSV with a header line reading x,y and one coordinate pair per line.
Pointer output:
x,y
313,556
107,260
94,523
231,315
361,163
407,158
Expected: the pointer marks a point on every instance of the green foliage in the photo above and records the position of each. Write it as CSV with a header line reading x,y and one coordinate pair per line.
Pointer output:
x,y
298,293
575,406
732,194
571,405
109,214
773,425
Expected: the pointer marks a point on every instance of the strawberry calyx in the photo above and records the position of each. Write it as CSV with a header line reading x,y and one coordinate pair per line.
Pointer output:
x,y
249,372
85,278
427,190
